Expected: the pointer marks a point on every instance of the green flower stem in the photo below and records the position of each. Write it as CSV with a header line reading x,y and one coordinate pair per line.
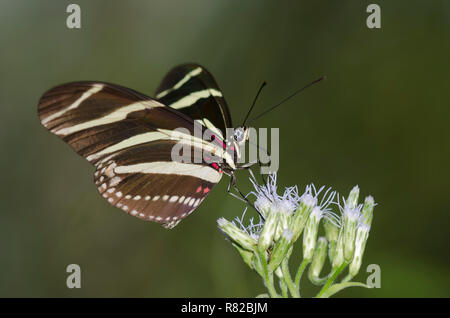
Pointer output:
x,y
334,274
284,288
318,280
347,278
340,286
268,277
287,276
299,274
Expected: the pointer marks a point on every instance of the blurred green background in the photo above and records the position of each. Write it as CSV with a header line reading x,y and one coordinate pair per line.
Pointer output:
x,y
380,120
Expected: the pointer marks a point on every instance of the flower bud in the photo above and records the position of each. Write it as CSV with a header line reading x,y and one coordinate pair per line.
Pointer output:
x,y
268,232
352,200
367,210
247,256
338,255
300,216
319,257
310,235
279,272
331,230
259,262
262,204
280,250
350,222
285,207
362,233
332,235
237,235
332,250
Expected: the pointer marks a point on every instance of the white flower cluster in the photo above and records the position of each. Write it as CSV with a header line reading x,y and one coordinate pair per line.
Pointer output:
x,y
266,246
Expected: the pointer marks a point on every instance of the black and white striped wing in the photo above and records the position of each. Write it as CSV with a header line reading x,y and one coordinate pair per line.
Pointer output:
x,y
144,183
192,90
117,128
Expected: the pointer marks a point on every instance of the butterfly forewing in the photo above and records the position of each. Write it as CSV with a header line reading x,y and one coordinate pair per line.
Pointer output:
x,y
192,90
94,116
128,137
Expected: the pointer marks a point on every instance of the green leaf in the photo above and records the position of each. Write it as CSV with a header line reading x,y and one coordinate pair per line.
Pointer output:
x,y
338,287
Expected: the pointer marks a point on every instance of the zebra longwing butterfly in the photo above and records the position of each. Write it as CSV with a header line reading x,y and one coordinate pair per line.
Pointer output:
x,y
128,137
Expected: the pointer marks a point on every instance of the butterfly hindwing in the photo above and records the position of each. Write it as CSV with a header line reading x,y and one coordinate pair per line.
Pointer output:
x,y
144,182
192,90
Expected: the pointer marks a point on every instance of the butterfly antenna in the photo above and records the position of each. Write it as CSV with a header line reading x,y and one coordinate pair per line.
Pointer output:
x,y
289,97
254,102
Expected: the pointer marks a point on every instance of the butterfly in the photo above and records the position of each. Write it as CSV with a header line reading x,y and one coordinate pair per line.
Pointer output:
x,y
129,138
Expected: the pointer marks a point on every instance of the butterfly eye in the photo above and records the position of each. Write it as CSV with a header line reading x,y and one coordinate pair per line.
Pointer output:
x,y
238,135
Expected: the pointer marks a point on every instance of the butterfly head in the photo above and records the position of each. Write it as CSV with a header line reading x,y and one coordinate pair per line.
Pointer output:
x,y
241,135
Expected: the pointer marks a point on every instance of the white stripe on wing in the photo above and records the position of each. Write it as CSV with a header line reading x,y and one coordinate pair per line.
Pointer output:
x,y
173,168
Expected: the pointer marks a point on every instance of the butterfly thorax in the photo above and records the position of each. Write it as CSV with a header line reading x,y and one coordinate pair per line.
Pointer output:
x,y
232,150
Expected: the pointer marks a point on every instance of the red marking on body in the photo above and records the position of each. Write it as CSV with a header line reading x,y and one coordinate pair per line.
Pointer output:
x,y
198,189
215,166
206,190
213,137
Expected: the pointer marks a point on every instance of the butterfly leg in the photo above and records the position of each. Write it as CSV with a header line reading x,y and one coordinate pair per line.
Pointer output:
x,y
250,164
261,174
242,197
237,197
260,164
232,183
252,176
